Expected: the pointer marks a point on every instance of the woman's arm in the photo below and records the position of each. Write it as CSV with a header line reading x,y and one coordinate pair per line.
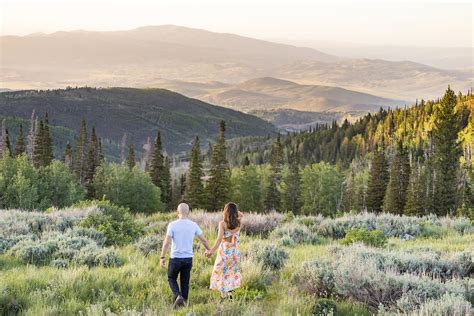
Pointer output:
x,y
220,235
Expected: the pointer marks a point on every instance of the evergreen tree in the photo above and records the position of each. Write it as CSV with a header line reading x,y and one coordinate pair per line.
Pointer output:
x,y
414,201
157,162
48,155
447,151
378,181
20,146
160,172
272,199
131,157
395,196
219,177
194,194
166,184
80,160
67,158
246,162
5,145
292,185
39,146
92,162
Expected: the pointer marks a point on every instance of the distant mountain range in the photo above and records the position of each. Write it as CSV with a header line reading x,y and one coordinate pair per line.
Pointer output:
x,y
135,112
269,93
147,56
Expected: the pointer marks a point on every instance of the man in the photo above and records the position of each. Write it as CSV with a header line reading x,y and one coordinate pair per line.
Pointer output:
x,y
181,232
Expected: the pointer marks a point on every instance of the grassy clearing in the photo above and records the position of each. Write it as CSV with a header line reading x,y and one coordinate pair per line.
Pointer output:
x,y
139,286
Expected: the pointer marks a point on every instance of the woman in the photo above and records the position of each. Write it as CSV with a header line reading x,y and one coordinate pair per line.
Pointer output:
x,y
226,273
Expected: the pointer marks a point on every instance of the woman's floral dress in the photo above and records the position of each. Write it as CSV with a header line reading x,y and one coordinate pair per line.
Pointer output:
x,y
226,273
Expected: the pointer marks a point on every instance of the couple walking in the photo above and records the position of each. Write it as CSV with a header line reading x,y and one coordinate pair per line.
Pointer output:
x,y
180,234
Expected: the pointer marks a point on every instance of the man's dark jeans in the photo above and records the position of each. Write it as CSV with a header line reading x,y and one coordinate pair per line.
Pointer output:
x,y
181,266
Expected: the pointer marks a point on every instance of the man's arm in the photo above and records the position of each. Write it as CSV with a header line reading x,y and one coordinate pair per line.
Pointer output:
x,y
204,241
164,249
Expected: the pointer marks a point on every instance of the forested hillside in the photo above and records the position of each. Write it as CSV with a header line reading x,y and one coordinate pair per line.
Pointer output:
x,y
137,113
416,160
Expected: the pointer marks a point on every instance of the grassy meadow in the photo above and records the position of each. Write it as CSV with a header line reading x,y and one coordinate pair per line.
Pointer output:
x,y
54,263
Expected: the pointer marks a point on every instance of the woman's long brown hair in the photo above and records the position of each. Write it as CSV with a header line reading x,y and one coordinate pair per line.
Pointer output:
x,y
231,215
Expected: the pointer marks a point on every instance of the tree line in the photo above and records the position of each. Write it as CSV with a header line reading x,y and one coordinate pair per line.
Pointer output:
x,y
405,161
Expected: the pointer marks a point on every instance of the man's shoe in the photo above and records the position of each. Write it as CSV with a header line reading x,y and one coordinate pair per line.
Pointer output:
x,y
179,302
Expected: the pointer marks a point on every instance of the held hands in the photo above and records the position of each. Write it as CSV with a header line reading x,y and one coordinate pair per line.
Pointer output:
x,y
208,254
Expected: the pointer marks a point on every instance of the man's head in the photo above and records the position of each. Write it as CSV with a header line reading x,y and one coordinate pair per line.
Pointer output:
x,y
183,210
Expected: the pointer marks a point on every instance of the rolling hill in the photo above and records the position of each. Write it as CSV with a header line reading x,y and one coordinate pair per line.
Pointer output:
x,y
269,93
146,56
137,112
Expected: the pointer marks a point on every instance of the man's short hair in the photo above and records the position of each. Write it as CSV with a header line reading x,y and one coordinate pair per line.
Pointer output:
x,y
183,208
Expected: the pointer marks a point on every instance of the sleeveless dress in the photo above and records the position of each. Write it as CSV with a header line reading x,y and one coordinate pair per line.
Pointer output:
x,y
226,273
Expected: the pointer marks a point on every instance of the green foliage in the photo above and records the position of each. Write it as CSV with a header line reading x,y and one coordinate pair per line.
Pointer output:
x,y
396,194
246,189
218,186
194,192
149,244
373,238
272,197
24,187
447,150
59,186
115,222
180,118
378,181
321,188
323,307
271,256
132,189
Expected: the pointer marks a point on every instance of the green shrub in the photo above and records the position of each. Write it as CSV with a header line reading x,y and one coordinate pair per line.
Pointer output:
x,y
315,278
149,244
298,234
271,256
115,222
323,307
373,238
132,189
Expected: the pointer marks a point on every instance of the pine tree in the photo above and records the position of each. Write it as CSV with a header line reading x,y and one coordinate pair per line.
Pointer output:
x,y
157,163
414,202
447,151
395,196
38,146
272,199
160,172
194,194
92,162
48,149
219,177
246,162
67,158
80,160
166,184
20,146
5,145
292,185
378,181
131,157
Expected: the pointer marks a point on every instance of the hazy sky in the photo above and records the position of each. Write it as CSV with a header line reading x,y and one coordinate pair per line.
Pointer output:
x,y
414,22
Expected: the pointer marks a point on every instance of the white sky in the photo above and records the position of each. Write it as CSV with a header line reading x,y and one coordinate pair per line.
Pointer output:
x,y
413,23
